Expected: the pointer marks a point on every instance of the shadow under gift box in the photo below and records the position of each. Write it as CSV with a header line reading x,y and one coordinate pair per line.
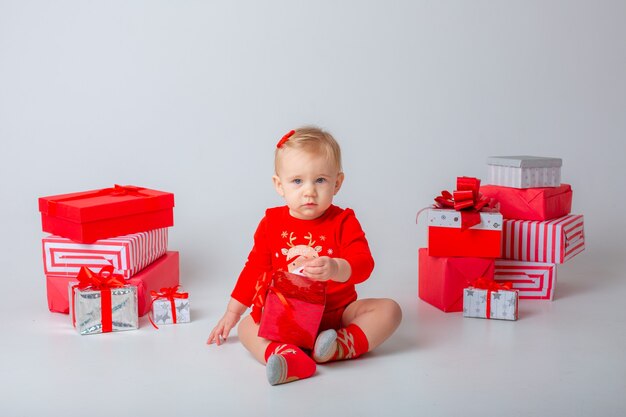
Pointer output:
x,y
164,272
543,203
99,214
442,279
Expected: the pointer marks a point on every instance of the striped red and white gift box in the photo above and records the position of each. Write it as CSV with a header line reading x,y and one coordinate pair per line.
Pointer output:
x,y
128,254
534,280
551,241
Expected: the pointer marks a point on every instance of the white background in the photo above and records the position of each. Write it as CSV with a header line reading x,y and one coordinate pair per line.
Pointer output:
x,y
192,96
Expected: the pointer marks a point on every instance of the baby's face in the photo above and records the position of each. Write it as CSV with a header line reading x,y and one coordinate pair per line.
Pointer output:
x,y
308,182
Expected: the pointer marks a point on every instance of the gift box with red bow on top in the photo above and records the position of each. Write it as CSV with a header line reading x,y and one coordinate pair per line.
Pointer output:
x,y
292,308
543,203
464,223
442,279
102,302
99,214
169,306
490,300
551,241
164,272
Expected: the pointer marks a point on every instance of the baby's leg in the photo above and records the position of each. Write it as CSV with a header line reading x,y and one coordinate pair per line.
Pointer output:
x,y
284,362
248,332
377,317
366,324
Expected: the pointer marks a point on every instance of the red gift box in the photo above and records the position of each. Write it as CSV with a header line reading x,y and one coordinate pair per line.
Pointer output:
x,y
99,214
164,272
292,310
442,279
531,203
464,223
446,237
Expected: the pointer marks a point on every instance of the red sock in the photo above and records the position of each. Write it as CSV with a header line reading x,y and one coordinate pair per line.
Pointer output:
x,y
289,364
351,343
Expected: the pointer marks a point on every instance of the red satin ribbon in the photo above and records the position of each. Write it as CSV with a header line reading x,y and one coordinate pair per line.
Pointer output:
x,y
169,293
483,283
262,288
103,281
115,191
466,199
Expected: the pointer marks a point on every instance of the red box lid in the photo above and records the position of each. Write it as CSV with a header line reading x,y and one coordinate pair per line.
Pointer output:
x,y
106,203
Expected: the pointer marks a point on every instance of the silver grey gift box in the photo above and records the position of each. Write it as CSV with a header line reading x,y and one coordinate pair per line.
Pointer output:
x,y
524,171
162,311
86,309
502,305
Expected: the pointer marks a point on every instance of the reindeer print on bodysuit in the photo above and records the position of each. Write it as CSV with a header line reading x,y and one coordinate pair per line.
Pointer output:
x,y
297,255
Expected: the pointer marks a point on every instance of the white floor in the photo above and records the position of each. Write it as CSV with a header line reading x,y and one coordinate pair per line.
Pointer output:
x,y
562,358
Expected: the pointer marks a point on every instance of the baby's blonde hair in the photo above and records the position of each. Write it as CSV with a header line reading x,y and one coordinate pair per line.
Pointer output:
x,y
314,140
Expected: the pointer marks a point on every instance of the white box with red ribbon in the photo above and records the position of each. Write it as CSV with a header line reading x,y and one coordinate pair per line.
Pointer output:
x,y
494,301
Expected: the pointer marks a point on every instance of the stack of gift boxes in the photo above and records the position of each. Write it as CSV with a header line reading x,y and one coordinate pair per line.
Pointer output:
x,y
491,245
538,230
107,261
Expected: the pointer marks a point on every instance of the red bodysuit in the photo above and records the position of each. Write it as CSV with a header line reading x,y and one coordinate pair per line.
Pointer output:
x,y
284,242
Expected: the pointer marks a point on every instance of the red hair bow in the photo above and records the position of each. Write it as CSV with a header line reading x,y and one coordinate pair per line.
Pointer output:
x,y
285,138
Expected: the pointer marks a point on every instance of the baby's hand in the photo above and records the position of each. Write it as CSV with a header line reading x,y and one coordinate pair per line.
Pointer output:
x,y
220,332
321,269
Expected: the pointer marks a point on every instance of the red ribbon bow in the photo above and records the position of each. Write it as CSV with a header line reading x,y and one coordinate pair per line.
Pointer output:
x,y
483,283
115,191
105,279
466,199
258,302
102,281
120,190
261,287
169,293
285,138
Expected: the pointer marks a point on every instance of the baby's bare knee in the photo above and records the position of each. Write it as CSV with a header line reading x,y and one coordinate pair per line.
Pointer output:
x,y
392,310
245,325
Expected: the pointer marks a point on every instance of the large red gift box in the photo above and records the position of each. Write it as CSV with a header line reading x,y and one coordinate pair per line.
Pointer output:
x,y
99,214
442,279
543,203
446,237
552,241
164,272
293,310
